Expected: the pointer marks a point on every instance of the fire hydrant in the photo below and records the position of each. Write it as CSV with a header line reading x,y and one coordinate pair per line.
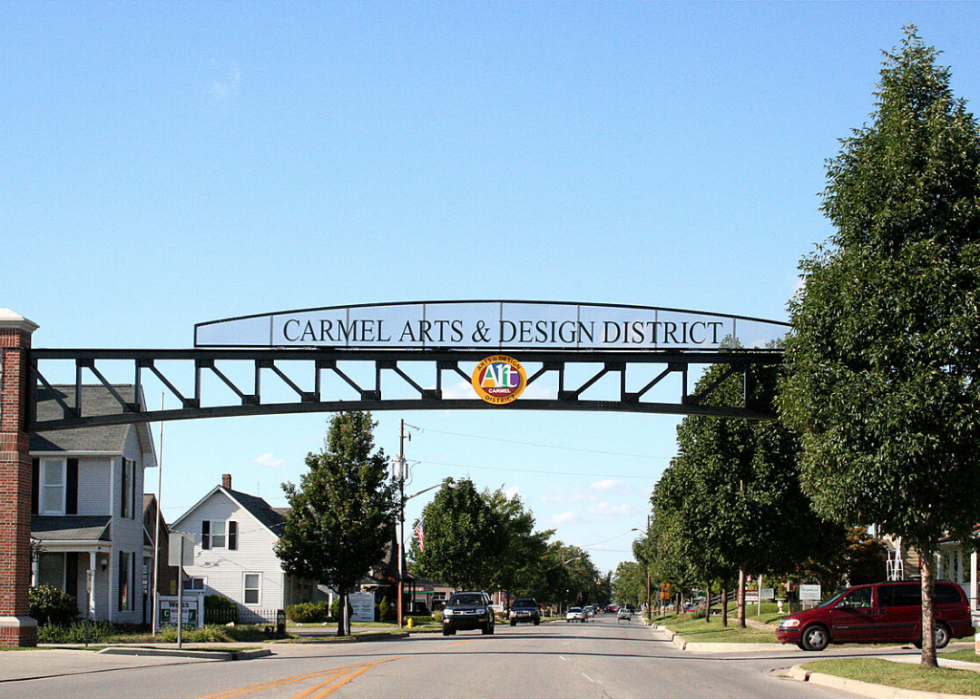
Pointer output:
x,y
410,622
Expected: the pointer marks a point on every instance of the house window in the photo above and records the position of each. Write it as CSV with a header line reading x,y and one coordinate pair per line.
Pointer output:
x,y
252,592
125,581
52,490
127,509
51,570
195,584
218,535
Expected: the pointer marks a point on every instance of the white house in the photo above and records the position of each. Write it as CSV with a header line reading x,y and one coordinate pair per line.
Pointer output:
x,y
234,533
87,506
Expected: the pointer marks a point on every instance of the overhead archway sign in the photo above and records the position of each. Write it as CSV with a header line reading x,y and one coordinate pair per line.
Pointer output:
x,y
492,325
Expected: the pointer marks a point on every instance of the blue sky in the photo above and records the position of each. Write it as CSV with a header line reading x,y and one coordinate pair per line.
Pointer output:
x,y
171,163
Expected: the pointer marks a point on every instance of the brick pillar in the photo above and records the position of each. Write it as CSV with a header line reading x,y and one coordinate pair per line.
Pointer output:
x,y
16,627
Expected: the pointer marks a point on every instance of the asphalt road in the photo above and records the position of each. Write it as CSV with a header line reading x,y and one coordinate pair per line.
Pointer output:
x,y
602,658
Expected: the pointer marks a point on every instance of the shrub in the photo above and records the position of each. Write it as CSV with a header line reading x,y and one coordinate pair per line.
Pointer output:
x,y
307,612
220,610
49,605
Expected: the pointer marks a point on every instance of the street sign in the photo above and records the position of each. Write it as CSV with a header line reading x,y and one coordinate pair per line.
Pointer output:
x,y
174,555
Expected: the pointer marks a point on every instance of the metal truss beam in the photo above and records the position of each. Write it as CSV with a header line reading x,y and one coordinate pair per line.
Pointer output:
x,y
193,365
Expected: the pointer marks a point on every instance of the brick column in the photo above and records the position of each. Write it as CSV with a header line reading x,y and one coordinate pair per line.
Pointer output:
x,y
16,627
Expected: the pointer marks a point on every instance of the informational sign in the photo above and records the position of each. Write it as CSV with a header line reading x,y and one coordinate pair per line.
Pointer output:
x,y
493,325
191,607
810,593
181,542
361,606
770,593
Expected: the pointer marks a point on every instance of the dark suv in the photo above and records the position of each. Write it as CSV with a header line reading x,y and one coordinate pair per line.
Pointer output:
x,y
467,610
526,610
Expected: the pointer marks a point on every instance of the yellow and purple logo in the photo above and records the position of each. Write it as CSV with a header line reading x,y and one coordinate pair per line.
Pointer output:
x,y
499,379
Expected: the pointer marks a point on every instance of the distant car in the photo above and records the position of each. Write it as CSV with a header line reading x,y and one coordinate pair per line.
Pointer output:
x,y
612,609
525,610
575,614
467,610
624,613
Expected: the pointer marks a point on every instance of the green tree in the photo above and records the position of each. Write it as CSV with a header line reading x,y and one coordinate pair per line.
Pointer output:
x,y
341,516
465,539
522,568
629,583
883,358
736,488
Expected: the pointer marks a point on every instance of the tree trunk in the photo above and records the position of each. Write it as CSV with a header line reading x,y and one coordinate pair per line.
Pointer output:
x,y
741,598
707,604
342,628
724,603
928,658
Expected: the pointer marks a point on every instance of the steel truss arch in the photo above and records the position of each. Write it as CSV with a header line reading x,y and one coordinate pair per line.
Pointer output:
x,y
388,369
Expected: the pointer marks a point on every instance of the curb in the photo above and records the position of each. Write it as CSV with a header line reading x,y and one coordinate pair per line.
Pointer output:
x,y
876,691
199,654
683,644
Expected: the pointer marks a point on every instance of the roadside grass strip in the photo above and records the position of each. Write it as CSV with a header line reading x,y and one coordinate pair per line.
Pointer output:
x,y
334,679
700,631
966,655
900,675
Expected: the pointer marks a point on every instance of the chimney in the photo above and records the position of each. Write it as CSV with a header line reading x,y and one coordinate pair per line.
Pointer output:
x,y
226,481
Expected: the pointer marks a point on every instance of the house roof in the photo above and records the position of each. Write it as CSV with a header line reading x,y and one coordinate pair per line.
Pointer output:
x,y
268,516
71,528
96,400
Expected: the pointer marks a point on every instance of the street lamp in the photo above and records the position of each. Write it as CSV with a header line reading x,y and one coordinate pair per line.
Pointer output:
x,y
563,564
401,537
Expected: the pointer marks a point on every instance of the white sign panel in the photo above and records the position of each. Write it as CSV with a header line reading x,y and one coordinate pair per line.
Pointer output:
x,y
174,553
768,593
493,325
809,593
362,606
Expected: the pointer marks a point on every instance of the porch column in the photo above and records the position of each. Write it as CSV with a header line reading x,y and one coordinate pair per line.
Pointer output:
x,y
16,627
973,580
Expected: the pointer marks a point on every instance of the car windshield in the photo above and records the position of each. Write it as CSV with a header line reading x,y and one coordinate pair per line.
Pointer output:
x,y
573,610
833,600
525,603
464,600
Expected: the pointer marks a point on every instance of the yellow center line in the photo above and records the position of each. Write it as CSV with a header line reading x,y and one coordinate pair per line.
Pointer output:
x,y
332,673
335,683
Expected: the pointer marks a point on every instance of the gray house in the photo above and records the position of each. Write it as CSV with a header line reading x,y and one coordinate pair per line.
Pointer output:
x,y
87,517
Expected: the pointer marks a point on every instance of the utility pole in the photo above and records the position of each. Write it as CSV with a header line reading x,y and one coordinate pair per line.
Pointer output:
x,y
401,517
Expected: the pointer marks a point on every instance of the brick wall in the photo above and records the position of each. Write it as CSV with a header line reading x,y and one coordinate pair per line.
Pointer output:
x,y
16,628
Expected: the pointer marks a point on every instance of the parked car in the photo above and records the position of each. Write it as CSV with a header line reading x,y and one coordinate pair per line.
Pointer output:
x,y
575,614
467,610
525,610
880,613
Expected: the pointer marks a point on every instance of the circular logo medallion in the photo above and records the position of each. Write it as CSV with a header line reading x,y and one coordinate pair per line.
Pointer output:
x,y
499,379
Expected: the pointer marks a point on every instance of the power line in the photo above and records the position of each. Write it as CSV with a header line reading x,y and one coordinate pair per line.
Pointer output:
x,y
543,446
549,473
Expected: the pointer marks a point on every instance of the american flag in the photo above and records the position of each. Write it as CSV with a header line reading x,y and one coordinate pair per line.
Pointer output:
x,y
420,533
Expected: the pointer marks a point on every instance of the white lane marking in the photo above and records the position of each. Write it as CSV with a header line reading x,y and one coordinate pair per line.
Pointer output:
x,y
562,657
588,678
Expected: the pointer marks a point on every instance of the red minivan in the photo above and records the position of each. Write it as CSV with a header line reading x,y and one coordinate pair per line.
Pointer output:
x,y
880,613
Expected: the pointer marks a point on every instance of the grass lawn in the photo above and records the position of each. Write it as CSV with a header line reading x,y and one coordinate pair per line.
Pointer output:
x,y
700,631
901,675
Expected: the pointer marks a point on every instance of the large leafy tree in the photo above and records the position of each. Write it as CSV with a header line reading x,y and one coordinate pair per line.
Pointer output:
x,y
522,569
342,513
465,539
884,355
